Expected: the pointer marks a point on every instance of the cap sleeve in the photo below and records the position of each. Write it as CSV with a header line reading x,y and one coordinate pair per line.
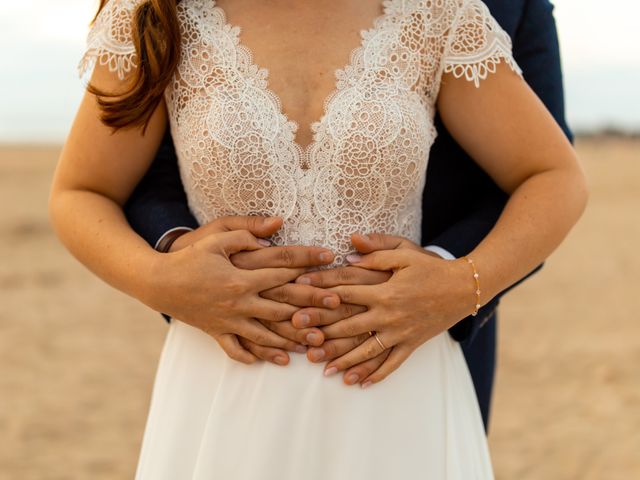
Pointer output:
x,y
110,40
476,44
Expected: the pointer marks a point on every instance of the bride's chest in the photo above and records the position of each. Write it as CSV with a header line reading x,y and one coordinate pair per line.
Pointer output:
x,y
365,85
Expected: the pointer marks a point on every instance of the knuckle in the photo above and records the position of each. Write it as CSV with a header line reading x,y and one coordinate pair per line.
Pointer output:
x,y
320,317
248,237
236,287
386,296
347,310
255,349
380,375
344,275
288,345
331,349
228,304
259,351
279,315
300,336
239,260
284,329
372,350
281,294
207,328
260,338
315,298
234,354
252,222
317,279
221,221
364,369
350,329
240,236
345,295
376,238
309,255
287,257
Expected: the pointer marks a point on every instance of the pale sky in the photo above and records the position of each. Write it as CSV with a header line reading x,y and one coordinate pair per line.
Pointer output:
x,y
42,40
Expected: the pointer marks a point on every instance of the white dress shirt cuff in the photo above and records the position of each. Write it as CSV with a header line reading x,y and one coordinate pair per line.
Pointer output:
x,y
441,252
186,229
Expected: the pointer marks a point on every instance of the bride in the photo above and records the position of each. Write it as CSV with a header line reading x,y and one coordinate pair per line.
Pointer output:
x,y
325,157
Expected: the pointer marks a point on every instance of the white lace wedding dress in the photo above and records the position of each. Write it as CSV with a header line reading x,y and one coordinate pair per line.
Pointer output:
x,y
214,418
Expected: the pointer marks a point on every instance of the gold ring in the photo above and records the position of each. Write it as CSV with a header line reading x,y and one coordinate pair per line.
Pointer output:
x,y
380,342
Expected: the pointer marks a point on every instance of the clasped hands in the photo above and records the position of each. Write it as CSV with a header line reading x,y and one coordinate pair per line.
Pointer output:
x,y
260,302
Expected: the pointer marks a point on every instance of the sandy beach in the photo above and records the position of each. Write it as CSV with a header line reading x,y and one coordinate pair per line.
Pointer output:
x,y
77,358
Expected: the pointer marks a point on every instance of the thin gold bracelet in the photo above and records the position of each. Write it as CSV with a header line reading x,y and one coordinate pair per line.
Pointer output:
x,y
476,277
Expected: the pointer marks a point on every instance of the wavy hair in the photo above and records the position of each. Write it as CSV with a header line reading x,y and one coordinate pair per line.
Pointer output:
x,y
156,36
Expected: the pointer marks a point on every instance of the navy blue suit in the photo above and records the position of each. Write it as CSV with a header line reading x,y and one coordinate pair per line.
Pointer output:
x,y
460,203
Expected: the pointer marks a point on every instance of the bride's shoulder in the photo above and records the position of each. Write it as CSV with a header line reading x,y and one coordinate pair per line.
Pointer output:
x,y
442,15
469,41
110,40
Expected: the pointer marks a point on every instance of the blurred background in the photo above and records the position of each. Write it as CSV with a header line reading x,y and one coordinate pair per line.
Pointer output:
x,y
77,359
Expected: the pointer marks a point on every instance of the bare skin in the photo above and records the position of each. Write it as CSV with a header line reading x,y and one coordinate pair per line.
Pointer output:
x,y
310,297
301,44
528,157
190,301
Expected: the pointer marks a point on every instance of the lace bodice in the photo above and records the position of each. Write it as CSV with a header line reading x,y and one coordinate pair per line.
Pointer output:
x,y
365,168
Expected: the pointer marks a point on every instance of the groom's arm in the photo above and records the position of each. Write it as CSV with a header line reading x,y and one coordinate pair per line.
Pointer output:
x,y
536,49
159,204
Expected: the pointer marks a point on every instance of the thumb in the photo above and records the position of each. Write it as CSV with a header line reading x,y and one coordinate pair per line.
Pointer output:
x,y
382,260
378,241
235,241
260,226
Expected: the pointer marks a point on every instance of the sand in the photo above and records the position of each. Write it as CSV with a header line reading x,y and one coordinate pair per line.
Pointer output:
x,y
77,359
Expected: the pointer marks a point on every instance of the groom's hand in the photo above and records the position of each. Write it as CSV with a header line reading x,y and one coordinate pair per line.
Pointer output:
x,y
289,293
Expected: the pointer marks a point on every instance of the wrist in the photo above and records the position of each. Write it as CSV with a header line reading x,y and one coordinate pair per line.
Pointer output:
x,y
487,281
151,287
463,286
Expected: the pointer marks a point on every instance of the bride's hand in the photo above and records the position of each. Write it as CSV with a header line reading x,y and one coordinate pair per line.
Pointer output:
x,y
424,297
202,285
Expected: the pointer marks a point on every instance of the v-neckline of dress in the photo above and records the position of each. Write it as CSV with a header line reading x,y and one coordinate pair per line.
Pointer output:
x,y
364,35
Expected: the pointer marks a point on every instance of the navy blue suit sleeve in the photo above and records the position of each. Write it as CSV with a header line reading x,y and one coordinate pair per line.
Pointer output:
x,y
159,202
536,50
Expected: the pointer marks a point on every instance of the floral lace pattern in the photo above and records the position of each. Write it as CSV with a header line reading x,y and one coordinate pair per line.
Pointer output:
x,y
110,40
365,168
477,44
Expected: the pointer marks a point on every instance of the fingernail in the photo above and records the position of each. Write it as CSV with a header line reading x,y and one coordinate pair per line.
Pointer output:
x,y
313,338
354,258
330,371
304,320
280,360
263,242
325,257
317,354
303,280
329,302
301,349
352,378
367,384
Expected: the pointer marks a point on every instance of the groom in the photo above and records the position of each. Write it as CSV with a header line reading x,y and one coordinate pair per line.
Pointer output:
x,y
460,203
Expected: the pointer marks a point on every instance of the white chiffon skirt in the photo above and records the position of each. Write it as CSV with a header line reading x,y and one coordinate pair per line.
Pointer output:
x,y
214,418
